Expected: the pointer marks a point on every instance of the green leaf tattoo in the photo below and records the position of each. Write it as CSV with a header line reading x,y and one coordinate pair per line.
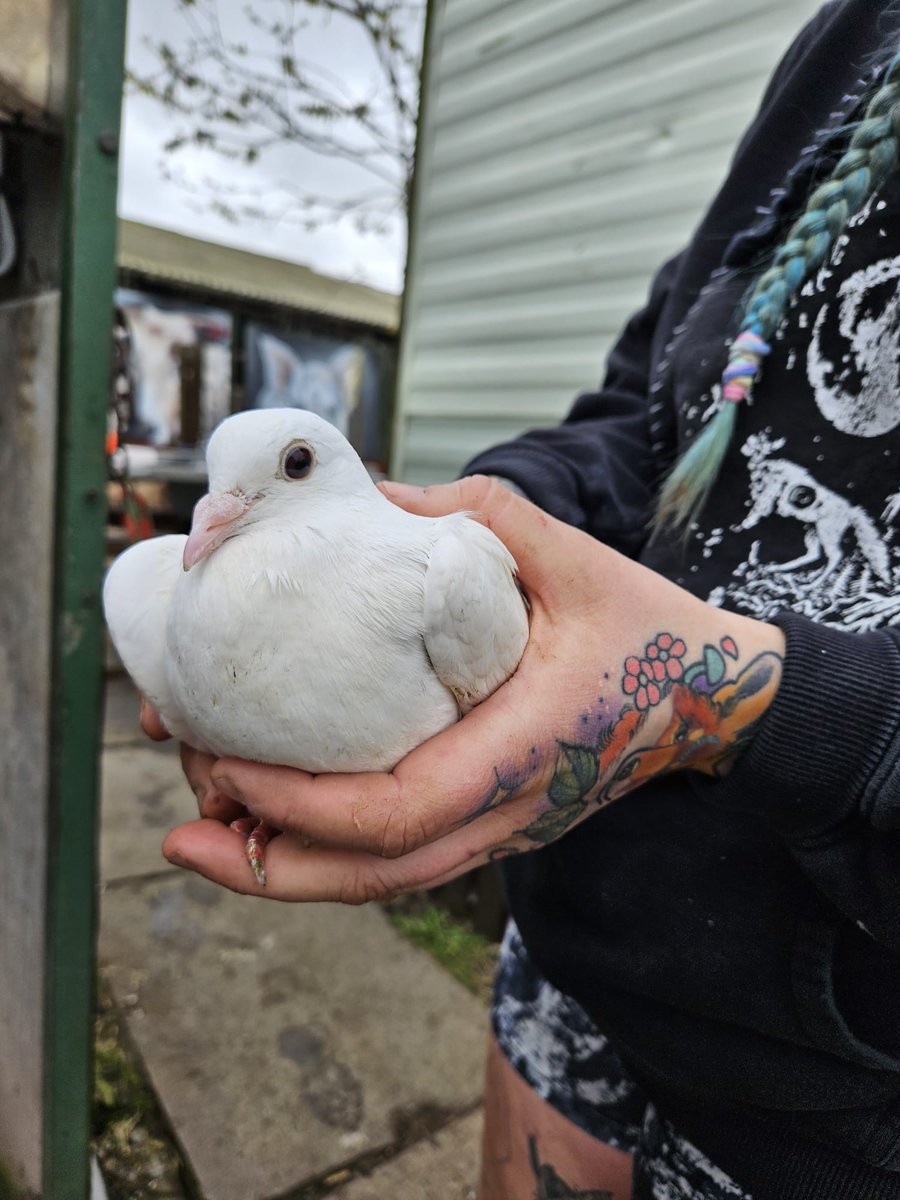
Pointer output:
x,y
576,773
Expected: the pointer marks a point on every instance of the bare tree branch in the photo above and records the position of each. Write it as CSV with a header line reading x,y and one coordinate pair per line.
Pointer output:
x,y
244,98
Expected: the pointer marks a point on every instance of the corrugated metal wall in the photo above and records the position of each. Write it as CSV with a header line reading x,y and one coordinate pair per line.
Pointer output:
x,y
567,148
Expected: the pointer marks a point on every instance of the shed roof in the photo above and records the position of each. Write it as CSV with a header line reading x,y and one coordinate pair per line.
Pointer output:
x,y
175,258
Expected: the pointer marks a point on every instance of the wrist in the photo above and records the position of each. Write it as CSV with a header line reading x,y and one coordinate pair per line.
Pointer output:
x,y
753,659
829,743
699,696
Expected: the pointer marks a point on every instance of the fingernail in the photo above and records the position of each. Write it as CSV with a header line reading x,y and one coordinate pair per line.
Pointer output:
x,y
400,491
229,788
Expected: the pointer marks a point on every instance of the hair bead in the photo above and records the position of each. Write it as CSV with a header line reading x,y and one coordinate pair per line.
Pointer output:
x,y
744,362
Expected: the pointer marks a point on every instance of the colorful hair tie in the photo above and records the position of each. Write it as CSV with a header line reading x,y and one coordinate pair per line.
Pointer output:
x,y
744,361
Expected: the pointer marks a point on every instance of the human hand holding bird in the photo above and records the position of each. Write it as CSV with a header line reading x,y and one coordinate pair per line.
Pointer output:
x,y
307,621
625,676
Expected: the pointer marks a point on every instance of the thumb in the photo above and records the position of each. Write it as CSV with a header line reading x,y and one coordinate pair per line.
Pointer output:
x,y
436,501
440,499
529,534
151,723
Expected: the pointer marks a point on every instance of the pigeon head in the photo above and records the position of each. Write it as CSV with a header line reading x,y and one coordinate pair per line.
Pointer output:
x,y
265,462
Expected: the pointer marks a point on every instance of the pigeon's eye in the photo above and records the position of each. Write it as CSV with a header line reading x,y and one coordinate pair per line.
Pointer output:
x,y
298,461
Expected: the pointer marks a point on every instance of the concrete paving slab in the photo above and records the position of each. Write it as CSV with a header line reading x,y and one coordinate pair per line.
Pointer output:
x,y
143,794
284,1041
444,1167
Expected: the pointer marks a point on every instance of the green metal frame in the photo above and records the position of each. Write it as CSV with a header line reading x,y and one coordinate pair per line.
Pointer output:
x,y
95,36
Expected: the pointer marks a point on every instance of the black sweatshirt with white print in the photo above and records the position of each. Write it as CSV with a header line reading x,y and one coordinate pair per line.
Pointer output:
x,y
739,940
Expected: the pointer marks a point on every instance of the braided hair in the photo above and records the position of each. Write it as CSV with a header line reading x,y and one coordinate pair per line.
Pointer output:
x,y
873,153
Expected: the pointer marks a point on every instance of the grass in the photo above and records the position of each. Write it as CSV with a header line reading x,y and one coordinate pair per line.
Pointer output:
x,y
465,954
128,1133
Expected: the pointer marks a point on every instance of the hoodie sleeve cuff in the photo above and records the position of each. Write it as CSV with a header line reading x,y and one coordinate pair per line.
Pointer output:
x,y
828,736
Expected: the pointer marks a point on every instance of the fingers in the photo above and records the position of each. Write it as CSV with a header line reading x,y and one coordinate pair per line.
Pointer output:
x,y
210,801
151,724
360,812
529,533
297,872
293,871
392,814
350,810
196,766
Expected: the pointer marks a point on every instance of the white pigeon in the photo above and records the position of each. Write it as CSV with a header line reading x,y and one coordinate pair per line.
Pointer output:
x,y
306,620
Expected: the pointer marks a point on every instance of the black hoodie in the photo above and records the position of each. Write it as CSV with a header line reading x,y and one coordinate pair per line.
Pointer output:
x,y
739,941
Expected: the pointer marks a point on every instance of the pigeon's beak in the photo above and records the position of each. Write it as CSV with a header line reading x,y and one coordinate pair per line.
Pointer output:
x,y
214,519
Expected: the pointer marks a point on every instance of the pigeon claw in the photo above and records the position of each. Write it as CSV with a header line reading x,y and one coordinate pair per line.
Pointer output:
x,y
258,835
255,855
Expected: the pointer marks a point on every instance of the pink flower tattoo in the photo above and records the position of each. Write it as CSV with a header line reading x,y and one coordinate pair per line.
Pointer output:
x,y
645,678
669,652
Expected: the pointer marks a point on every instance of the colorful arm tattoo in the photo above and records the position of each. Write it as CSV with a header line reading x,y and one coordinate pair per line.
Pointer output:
x,y
670,715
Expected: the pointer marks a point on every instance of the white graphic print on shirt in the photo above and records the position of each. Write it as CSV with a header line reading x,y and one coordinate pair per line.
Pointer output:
x,y
857,589
849,573
872,407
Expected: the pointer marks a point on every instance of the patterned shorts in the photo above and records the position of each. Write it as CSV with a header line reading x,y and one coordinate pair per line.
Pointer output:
x,y
551,1042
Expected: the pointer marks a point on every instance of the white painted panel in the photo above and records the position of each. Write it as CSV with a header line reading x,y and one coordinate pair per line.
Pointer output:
x,y
578,207
602,147
642,42
567,149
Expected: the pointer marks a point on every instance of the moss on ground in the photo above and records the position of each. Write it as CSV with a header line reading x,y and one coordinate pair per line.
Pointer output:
x,y
137,1156
465,954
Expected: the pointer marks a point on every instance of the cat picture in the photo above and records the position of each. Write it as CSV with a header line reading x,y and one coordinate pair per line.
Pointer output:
x,y
328,384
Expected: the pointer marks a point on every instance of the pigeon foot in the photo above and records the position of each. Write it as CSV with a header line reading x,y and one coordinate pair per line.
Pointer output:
x,y
258,834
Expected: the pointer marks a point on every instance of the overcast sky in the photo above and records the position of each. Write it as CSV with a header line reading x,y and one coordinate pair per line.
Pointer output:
x,y
335,249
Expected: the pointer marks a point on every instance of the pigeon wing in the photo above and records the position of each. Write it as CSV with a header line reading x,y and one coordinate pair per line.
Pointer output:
x,y
137,594
476,621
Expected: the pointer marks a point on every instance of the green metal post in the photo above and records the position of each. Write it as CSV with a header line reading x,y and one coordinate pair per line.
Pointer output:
x,y
95,32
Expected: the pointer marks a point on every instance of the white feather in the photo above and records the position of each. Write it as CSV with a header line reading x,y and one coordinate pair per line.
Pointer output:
x,y
474,627
136,599
332,631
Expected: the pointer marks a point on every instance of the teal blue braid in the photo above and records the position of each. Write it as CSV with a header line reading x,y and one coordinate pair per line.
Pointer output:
x,y
873,153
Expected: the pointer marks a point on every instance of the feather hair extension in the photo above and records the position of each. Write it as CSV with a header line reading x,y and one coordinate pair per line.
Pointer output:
x,y
687,487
